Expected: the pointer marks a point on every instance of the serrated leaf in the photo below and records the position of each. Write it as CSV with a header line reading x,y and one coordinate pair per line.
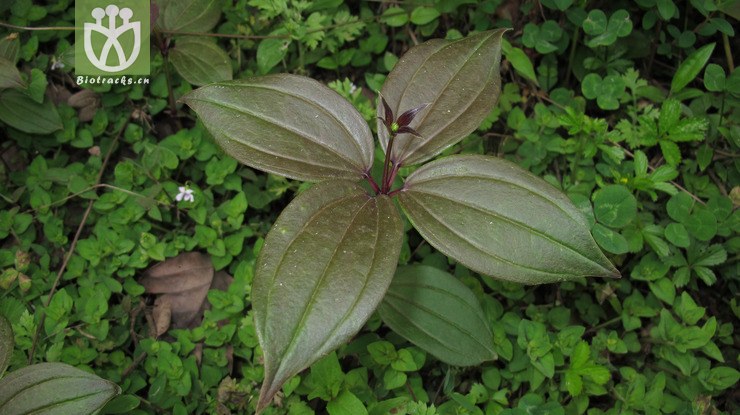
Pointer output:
x,y
690,68
500,220
19,111
461,82
323,269
6,344
435,311
288,125
200,61
9,75
54,388
191,15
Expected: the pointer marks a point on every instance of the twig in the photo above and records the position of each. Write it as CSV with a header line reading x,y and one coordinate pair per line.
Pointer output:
x,y
136,362
728,53
72,247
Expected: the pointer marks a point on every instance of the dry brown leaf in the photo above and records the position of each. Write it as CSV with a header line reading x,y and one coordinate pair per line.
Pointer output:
x,y
86,102
162,314
182,283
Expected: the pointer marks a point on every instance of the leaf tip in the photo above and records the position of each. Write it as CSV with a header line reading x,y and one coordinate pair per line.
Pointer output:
x,y
267,392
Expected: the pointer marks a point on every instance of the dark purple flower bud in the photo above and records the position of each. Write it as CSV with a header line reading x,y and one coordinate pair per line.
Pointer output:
x,y
408,116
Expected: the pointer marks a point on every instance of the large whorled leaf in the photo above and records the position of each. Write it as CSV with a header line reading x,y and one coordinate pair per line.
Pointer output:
x,y
500,220
323,269
20,111
9,75
190,15
54,389
460,81
438,313
6,344
288,125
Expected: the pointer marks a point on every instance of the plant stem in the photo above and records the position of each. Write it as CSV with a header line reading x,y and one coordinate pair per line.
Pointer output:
x,y
728,53
386,163
372,182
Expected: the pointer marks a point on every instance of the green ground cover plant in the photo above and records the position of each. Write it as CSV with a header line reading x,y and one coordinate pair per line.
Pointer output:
x,y
130,240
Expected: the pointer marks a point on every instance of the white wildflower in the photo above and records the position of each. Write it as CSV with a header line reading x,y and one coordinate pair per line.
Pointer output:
x,y
185,194
57,65
352,88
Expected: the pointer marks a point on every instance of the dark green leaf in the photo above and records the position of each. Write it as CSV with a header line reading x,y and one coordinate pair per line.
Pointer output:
x,y
394,17
459,97
423,15
610,240
500,220
714,78
519,60
9,75
346,404
614,206
20,111
595,23
270,52
690,68
54,388
200,61
702,225
288,125
671,152
679,207
677,235
438,313
6,344
191,15
323,269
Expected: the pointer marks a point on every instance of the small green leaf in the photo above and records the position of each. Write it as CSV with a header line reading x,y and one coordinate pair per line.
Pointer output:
x,y
288,125
438,313
664,289
614,206
459,97
332,252
671,152
610,240
423,15
191,15
200,61
394,17
677,234
346,404
714,78
7,343
679,207
702,225
470,208
595,23
55,388
519,60
690,68
20,111
723,377
271,52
